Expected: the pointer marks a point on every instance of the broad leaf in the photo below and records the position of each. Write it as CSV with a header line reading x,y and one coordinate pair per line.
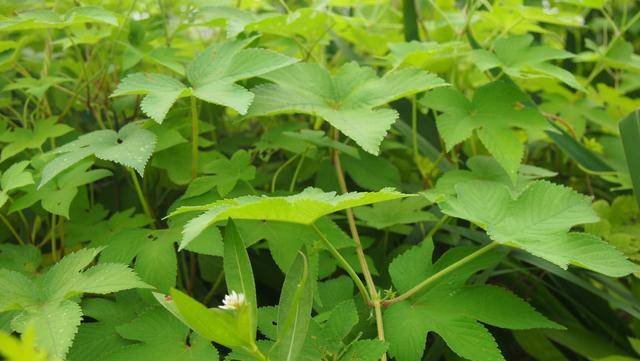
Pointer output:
x,y
131,146
495,111
519,59
160,336
451,309
304,208
538,221
212,74
348,100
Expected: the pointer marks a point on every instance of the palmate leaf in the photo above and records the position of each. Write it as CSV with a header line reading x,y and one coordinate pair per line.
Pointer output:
x,y
212,75
56,196
451,309
348,100
19,139
131,146
304,208
519,59
493,113
49,301
538,221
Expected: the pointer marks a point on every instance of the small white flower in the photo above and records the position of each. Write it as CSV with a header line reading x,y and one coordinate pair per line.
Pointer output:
x,y
233,301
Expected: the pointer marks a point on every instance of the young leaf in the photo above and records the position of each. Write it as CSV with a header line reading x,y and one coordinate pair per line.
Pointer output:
x,y
160,92
56,196
131,146
212,74
294,310
496,108
304,208
451,309
519,59
230,328
348,100
20,139
538,221
14,177
238,271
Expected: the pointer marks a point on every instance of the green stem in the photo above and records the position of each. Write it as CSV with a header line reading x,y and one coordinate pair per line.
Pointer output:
x,y
343,262
53,238
143,201
437,226
414,127
11,229
280,169
437,276
410,19
297,171
194,137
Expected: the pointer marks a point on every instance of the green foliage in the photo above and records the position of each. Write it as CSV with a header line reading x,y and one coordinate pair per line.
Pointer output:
x,y
347,100
341,180
538,221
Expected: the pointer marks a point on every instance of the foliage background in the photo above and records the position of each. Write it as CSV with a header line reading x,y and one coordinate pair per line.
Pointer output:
x,y
465,105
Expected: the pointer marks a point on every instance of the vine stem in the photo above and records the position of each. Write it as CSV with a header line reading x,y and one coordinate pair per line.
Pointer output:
x,y
373,293
143,201
343,262
11,229
438,275
194,137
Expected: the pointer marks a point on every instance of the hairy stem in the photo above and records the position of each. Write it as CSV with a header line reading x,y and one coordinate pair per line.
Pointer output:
x,y
435,277
373,293
343,262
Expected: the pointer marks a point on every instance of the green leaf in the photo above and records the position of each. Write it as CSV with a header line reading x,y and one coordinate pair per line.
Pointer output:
x,y
66,278
228,172
20,139
14,177
231,328
348,100
494,112
365,350
56,196
160,92
131,146
519,59
100,338
304,208
630,135
538,221
56,324
451,309
238,271
294,310
160,336
212,74
392,213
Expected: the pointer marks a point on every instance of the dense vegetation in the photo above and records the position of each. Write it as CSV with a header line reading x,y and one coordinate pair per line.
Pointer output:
x,y
319,180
